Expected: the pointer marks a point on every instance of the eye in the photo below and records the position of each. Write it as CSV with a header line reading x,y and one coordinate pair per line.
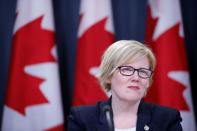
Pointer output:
x,y
125,69
145,72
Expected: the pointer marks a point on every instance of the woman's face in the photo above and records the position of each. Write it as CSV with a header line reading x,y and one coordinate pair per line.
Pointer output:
x,y
130,88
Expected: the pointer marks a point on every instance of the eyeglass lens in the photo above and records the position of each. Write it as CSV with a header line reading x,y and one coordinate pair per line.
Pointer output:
x,y
129,70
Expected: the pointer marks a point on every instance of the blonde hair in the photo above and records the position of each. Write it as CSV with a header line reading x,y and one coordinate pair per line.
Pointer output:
x,y
119,53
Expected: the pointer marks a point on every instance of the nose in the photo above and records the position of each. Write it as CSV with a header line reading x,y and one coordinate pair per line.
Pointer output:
x,y
135,76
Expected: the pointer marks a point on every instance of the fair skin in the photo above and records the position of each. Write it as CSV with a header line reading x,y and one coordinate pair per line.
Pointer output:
x,y
127,92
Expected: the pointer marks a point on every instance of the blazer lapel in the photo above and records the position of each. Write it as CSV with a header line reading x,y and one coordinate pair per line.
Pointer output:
x,y
144,117
103,126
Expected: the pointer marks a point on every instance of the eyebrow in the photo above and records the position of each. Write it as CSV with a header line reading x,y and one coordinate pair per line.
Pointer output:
x,y
136,68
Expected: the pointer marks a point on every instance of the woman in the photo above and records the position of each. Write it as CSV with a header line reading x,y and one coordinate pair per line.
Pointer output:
x,y
126,71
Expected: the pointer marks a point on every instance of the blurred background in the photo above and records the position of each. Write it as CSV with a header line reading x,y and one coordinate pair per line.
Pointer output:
x,y
129,19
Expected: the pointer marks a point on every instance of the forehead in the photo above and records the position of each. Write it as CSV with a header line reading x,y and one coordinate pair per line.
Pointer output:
x,y
138,62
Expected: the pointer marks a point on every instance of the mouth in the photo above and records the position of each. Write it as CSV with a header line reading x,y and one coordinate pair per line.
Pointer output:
x,y
134,87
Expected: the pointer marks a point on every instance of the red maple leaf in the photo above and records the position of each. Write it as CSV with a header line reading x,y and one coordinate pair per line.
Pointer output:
x,y
170,53
31,45
91,46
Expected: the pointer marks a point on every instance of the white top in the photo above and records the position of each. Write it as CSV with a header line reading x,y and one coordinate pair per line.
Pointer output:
x,y
128,129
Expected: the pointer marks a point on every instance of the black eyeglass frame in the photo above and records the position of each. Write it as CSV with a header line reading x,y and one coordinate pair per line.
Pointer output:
x,y
119,67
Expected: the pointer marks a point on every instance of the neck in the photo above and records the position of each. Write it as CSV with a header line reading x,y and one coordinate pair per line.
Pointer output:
x,y
121,107
124,113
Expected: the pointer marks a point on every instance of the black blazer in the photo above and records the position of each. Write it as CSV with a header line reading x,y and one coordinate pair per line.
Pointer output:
x,y
92,118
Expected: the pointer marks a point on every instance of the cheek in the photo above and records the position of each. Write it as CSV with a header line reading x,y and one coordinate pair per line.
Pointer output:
x,y
146,83
117,80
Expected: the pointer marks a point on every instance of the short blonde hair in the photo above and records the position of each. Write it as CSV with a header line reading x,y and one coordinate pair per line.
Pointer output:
x,y
119,53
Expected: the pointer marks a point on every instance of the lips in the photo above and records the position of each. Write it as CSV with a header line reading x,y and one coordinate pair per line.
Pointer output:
x,y
134,87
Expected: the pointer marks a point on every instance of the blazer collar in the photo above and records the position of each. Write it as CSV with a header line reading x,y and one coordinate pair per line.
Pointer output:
x,y
143,116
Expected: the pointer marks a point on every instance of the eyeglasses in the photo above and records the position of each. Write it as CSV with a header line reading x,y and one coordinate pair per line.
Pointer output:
x,y
129,71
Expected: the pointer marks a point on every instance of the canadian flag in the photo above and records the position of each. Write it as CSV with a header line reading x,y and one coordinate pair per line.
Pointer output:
x,y
33,101
171,84
95,34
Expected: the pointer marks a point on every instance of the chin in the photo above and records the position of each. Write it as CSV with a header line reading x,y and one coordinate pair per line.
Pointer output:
x,y
132,98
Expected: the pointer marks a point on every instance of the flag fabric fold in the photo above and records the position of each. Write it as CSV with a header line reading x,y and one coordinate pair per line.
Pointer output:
x,y
33,99
171,85
95,34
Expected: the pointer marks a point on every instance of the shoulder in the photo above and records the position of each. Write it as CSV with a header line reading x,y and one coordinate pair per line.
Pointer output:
x,y
90,110
83,117
163,117
85,110
159,110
